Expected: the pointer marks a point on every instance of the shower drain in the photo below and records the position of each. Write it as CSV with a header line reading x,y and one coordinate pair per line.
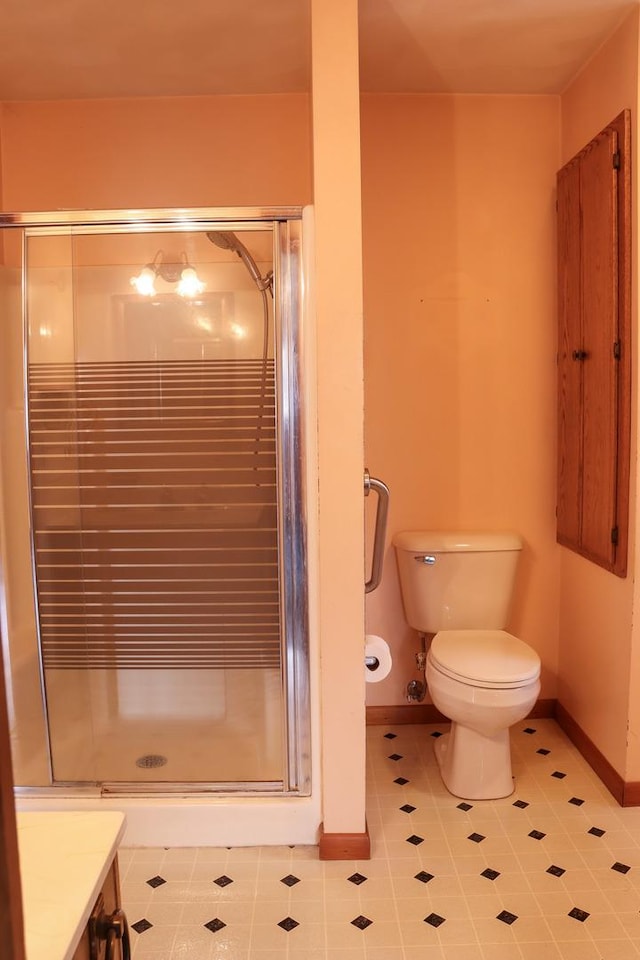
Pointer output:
x,y
151,760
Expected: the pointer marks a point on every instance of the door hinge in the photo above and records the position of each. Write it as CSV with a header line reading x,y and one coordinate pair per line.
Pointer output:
x,y
614,536
617,349
616,160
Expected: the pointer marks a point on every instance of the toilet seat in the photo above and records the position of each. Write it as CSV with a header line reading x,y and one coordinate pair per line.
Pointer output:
x,y
493,659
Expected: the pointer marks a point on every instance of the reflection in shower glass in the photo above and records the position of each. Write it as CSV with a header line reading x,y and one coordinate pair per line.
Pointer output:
x,y
154,496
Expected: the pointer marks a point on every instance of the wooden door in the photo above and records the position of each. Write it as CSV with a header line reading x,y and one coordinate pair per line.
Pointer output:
x,y
569,506
598,207
594,369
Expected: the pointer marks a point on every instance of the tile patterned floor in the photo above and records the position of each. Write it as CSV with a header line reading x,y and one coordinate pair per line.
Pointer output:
x,y
550,873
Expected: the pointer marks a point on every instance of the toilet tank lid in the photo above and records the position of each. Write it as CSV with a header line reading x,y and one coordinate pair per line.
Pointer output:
x,y
447,541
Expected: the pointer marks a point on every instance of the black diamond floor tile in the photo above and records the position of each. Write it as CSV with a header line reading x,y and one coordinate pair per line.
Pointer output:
x,y
156,882
558,774
415,840
543,751
395,756
401,781
288,924
362,922
423,876
578,914
476,837
434,920
407,808
522,804
436,733
507,917
529,730
465,806
215,925
356,878
141,925
621,867
576,801
490,874
290,880
556,871
537,834
223,881
390,736
596,832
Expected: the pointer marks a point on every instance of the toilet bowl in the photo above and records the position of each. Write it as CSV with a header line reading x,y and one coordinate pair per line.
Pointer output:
x,y
484,681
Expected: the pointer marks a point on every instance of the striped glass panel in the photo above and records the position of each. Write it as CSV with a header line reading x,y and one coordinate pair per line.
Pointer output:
x,y
154,503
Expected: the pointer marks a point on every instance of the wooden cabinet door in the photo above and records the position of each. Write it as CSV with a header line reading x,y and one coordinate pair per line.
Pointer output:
x,y
594,370
598,205
569,505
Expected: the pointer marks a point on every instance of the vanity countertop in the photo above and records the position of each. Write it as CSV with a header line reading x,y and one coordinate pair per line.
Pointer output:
x,y
64,859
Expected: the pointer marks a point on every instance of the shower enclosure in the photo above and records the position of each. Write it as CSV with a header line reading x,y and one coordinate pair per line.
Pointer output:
x,y
153,509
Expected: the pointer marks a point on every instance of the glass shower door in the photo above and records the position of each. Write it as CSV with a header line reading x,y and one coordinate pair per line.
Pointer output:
x,y
154,465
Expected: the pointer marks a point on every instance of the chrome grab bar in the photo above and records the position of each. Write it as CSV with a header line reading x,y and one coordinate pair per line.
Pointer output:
x,y
370,483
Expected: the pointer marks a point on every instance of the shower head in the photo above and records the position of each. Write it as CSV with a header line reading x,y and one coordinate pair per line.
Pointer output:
x,y
224,239
227,240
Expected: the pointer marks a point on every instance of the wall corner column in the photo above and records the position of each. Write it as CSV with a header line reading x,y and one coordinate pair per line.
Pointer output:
x,y
338,299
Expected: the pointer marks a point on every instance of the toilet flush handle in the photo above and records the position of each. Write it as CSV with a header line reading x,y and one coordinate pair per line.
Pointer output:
x,y
425,558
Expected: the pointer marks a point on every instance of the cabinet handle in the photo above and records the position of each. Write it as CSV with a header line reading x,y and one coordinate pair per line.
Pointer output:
x,y
579,354
109,928
117,928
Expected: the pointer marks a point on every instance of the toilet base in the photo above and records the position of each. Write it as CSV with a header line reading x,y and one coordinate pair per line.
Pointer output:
x,y
473,765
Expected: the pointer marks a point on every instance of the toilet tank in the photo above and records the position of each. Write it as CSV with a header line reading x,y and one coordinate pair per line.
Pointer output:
x,y
456,581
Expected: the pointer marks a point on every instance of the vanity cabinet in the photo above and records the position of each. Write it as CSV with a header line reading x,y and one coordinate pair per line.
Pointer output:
x,y
594,350
68,865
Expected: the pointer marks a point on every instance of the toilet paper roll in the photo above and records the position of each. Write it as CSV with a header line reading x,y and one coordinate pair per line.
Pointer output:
x,y
378,648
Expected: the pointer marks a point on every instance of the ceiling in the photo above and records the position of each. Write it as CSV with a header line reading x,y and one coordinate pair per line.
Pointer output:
x,y
138,48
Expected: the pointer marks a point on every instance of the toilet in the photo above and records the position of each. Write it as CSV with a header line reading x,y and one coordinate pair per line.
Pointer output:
x,y
456,588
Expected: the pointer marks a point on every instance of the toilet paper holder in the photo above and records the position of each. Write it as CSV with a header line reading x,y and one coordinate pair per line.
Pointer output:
x,y
377,659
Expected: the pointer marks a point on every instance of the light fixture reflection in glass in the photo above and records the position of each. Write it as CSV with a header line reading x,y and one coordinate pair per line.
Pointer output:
x,y
238,331
145,282
189,284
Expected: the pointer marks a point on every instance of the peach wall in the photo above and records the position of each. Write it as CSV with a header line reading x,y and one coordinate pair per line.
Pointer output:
x,y
222,151
250,151
459,219
158,152
338,294
596,635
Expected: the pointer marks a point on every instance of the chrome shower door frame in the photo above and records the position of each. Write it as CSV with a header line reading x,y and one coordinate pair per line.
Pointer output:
x,y
286,224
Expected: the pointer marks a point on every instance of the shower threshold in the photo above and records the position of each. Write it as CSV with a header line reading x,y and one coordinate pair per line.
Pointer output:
x,y
155,789
208,818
